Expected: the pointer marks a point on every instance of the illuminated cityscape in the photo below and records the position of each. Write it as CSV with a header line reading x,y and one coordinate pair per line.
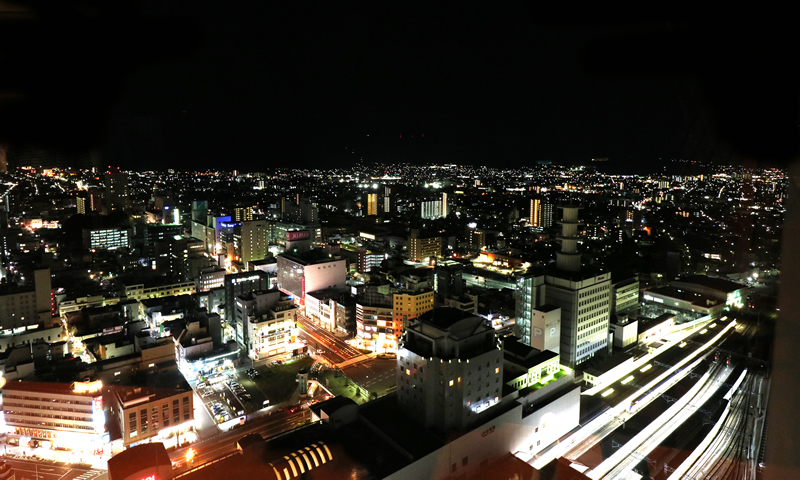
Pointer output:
x,y
495,249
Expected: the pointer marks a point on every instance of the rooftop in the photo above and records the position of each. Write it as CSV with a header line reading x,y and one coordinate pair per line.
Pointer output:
x,y
55,388
711,282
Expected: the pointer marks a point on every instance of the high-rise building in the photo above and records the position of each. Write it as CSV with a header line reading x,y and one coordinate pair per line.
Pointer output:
x,y
582,293
477,239
421,248
450,370
433,209
534,217
546,215
242,214
372,204
253,241
117,197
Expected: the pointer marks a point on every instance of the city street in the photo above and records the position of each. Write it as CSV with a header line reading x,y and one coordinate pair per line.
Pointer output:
x,y
32,470
376,375
335,349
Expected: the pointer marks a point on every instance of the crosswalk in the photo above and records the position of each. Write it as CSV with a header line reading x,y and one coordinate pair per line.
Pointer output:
x,y
89,475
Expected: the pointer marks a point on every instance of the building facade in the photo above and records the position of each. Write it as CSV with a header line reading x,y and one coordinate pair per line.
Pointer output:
x,y
55,415
450,370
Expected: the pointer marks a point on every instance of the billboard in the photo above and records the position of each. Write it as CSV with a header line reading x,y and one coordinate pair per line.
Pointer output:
x,y
293,236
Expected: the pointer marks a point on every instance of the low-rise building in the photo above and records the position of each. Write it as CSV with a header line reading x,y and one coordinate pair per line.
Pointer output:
x,y
161,411
157,290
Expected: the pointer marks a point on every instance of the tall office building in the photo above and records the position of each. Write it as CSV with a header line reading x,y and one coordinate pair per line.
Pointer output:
x,y
450,370
389,200
253,240
117,192
583,293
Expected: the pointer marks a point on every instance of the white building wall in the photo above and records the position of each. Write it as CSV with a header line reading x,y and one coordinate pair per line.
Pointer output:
x,y
325,275
511,432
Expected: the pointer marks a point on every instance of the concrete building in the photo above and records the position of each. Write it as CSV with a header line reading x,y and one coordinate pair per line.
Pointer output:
x,y
375,328
407,305
158,289
625,295
450,370
265,323
55,415
210,277
252,241
582,293
29,305
309,272
433,209
731,294
525,366
117,195
106,238
545,328
329,307
528,296
420,249
236,285
161,411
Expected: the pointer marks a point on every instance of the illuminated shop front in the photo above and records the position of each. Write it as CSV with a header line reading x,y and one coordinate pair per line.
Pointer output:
x,y
56,415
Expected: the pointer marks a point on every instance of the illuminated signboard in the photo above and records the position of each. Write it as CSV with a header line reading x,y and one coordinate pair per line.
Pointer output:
x,y
87,387
368,236
735,299
245,279
292,236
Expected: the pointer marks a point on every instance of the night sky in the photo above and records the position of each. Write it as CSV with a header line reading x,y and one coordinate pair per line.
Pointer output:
x,y
254,85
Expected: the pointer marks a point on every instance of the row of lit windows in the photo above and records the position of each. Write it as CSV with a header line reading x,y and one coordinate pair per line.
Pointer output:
x,y
47,415
40,399
54,425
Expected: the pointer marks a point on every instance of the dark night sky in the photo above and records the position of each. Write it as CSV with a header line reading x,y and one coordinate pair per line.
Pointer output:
x,y
253,85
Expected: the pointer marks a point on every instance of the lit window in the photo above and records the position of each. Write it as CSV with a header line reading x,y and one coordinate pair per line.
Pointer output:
x,y
497,370
451,383
408,372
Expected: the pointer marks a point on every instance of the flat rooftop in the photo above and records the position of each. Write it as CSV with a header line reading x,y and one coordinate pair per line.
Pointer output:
x,y
712,282
685,295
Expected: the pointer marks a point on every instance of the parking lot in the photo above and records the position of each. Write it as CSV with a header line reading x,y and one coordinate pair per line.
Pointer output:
x,y
230,395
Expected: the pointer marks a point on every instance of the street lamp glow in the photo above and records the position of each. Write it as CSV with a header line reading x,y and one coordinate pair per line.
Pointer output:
x,y
646,367
627,380
607,392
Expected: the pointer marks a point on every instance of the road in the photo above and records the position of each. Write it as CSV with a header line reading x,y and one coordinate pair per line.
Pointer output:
x,y
31,470
335,349
225,443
